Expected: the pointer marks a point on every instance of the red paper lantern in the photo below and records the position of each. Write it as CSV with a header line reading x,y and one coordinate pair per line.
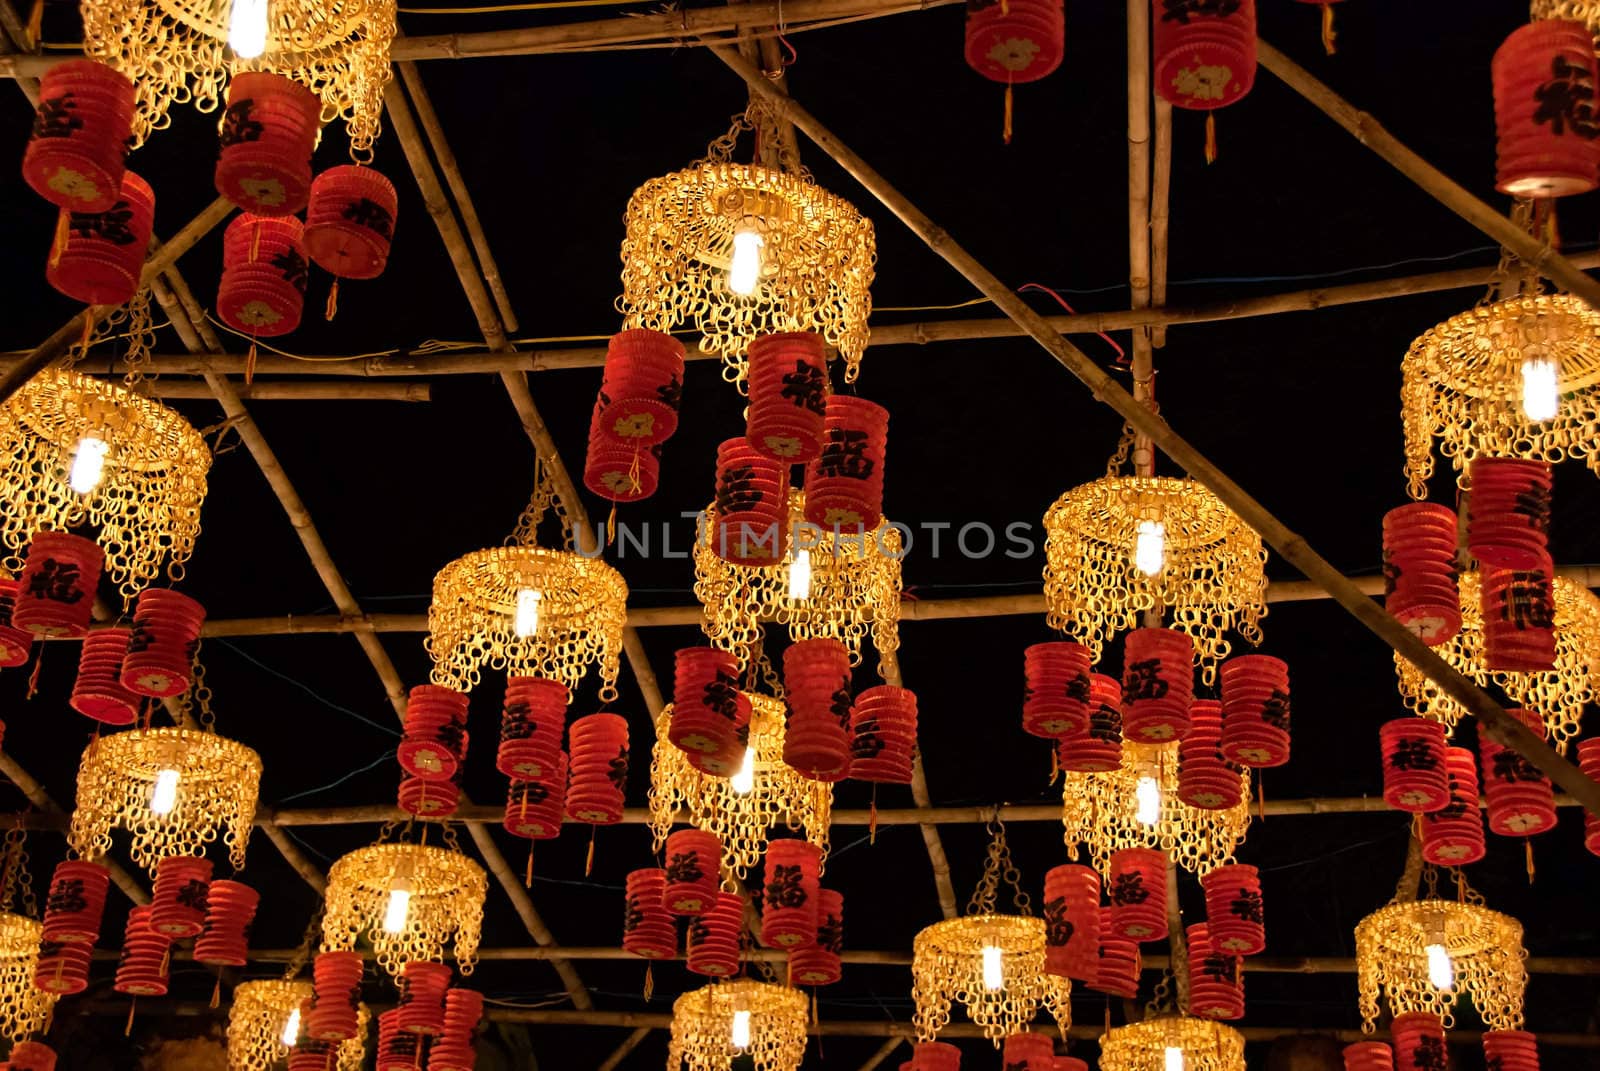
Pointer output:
x,y
1100,748
531,721
15,643
1544,110
178,899
96,257
788,396
1418,1042
620,473
1206,780
935,1056
335,996
1415,775
1368,1056
98,692
350,221
1118,970
752,506
166,633
263,289
268,132
142,969
1029,1052
1055,700
883,735
534,809
1508,515
1234,916
1589,763
789,910
710,715
75,903
63,969
1505,1050
1255,711
1453,835
31,1056
1521,802
224,940
422,991
309,1054
1072,921
693,870
713,940
78,152
647,927
397,1050
55,593
1015,41
1419,570
1216,982
1138,894
1204,51
435,741
1519,614
641,388
817,963
844,485
463,1009
598,769
816,741
429,799
1157,685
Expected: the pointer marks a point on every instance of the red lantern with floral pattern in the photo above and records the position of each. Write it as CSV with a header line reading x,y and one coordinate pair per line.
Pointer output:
x,y
713,940
178,899
1415,775
142,970
335,996
816,677
1072,921
1206,780
1453,835
710,714
788,396
268,131
435,741
1216,980
166,633
883,735
350,221
423,986
1157,685
1521,801
844,485
1419,570
1419,1043
598,769
1234,915
1138,894
752,506
531,720
789,906
818,963
1099,749
1055,693
1118,972
693,866
225,939
1204,53
263,289
647,926
97,257
78,151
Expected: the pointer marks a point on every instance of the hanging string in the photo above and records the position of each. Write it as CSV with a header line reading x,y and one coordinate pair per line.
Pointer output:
x,y
1328,36
1211,137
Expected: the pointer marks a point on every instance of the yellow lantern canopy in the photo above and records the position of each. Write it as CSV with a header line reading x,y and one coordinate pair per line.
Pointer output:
x,y
758,1021
1206,1045
1404,949
442,892
257,1019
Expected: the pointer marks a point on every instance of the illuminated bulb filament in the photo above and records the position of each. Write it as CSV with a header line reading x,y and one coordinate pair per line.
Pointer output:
x,y
1441,972
247,28
800,576
745,269
164,796
88,464
745,780
741,1030
1147,793
291,1028
399,906
527,619
1173,1059
993,976
1540,398
1150,548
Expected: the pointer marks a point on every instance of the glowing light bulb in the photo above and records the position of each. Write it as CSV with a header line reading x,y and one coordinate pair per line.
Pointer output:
x,y
399,906
1172,1059
247,28
745,780
741,1030
800,576
291,1028
993,973
88,464
1147,794
1541,399
527,616
164,796
1441,972
1150,548
744,271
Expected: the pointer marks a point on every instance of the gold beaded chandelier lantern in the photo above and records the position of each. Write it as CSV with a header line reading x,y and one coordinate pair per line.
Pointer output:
x,y
409,901
80,451
265,1017
1205,1045
24,1007
741,1019
742,250
1586,11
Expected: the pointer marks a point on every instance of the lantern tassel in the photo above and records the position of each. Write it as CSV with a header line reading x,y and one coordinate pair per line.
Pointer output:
x,y
649,983
332,308
1328,36
588,862
35,30
1527,843
250,364
127,1027
1005,129
1211,137
527,875
255,240
63,236
216,992
611,525
872,817
88,332
33,678
1055,764
1261,797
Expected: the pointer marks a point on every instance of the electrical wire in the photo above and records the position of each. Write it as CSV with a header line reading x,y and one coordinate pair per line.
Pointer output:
x,y
385,757
495,9
387,730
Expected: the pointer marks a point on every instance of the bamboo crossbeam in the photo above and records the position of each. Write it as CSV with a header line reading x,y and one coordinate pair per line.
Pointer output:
x,y
620,1053
1492,718
302,391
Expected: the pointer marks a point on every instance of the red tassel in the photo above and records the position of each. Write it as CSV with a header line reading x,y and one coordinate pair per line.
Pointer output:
x,y
33,678
1211,137
250,364
1328,36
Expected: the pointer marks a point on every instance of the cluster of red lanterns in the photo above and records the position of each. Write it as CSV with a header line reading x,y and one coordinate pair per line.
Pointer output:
x,y
1419,570
1011,41
788,377
1072,921
1216,977
118,668
55,592
1508,531
635,413
1545,118
1521,800
800,916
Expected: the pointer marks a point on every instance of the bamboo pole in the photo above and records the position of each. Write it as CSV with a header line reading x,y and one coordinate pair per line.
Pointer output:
x,y
1144,458
882,1053
620,1053
1435,183
1160,201
303,391
1492,718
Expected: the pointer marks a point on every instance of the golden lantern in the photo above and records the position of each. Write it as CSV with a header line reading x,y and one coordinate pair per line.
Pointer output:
x,y
1102,813
992,963
1123,545
740,820
175,790
745,250
265,1016
1205,1045
854,589
1559,695
1509,378
745,1019
1586,11
24,1008
408,900
78,450
178,50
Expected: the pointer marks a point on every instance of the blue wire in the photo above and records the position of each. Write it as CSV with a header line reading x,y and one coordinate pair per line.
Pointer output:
x,y
385,757
387,730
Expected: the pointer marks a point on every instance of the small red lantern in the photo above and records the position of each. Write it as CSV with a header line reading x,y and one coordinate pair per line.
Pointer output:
x,y
620,473
1418,1042
1204,51
816,676
1234,916
1415,775
710,715
97,257
1072,921
268,132
224,940
789,909
397,1050
429,799
1100,748
641,389
1206,780
935,1056
76,902
1419,570
1055,700
1453,835
694,872
178,900
335,996
1029,1052
63,969
713,940
309,1054
350,221
1118,972
1157,685
1544,110
1138,894
31,1056
1507,1050
817,963
531,721
1589,763
844,485
166,631
98,692
1216,982
1521,802
263,289
1519,613
1011,41
1255,711
788,396
435,742
55,594
422,990
647,926
15,643
1508,514
883,735
79,148
142,970
463,1009
1368,1056
598,769
752,506
534,808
